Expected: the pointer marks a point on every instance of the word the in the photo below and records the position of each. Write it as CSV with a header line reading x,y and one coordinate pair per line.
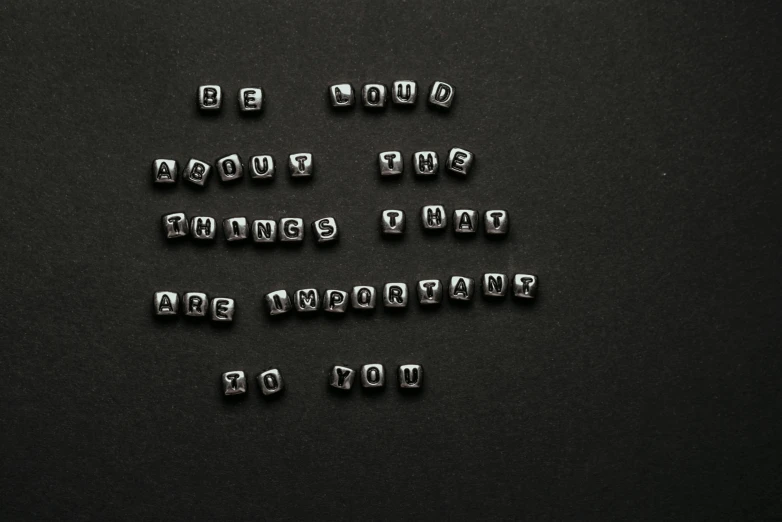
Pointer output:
x,y
425,162
433,217
403,93
230,168
176,225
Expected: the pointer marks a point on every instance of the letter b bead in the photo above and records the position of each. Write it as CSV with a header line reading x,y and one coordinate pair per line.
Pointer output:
x,y
210,97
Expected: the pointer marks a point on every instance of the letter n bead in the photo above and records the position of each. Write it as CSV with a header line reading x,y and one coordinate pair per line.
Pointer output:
x,y
325,230
264,231
341,95
175,225
234,383
222,309
164,171
411,376
166,303
494,285
270,382
210,97
525,286
459,161
341,377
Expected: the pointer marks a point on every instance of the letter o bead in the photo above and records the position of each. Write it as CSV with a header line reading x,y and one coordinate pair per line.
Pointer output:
x,y
374,95
271,382
373,376
363,297
230,167
166,303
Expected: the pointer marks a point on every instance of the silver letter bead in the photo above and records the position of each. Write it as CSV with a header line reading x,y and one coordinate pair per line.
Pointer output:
x,y
430,291
496,222
196,304
301,165
235,228
210,97
425,163
164,171
264,231
373,376
392,222
404,92
465,221
441,95
203,227
270,382
291,229
335,301
325,229
461,288
307,300
395,295
196,172
411,376
390,163
278,302
175,225
250,99
234,383
341,95
525,286
230,167
374,95
363,297
494,285
433,217
222,309
341,377
459,161
261,167
166,303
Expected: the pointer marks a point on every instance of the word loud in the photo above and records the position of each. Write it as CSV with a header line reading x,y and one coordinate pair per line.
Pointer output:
x,y
403,93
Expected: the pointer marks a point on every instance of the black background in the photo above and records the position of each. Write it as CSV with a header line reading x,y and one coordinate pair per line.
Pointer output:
x,y
634,144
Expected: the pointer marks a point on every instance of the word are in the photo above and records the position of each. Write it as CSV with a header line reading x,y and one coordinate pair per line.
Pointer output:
x,y
196,304
433,218
210,98
230,168
403,93
176,225
425,163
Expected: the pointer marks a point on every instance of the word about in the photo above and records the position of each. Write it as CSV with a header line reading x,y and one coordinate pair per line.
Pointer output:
x,y
230,168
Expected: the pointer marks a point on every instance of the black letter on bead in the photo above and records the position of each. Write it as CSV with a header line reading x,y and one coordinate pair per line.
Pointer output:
x,y
232,377
411,377
373,375
496,218
229,167
210,97
373,95
392,218
495,284
341,98
301,160
465,222
291,230
425,164
458,161
197,172
525,285
443,92
336,299
395,294
271,382
194,304
342,376
431,216
257,166
165,305
429,291
264,229
461,288
203,227
175,221
249,100
364,296
307,299
163,172
407,94
326,229
390,159
221,306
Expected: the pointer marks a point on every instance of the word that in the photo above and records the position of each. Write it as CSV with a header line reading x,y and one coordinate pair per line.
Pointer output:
x,y
433,218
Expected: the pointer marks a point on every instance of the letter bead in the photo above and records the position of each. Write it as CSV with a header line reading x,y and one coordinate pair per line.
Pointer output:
x,y
461,288
465,221
341,95
373,376
525,286
433,217
441,95
261,167
234,383
222,309
197,172
271,382
390,163
166,303
494,285
404,92
175,225
210,97
203,227
425,163
235,228
341,377
430,291
392,222
335,301
307,300
230,167
374,95
264,231
164,171
301,165
395,295
411,376
278,302
459,161
291,230
496,222
363,297
325,230
195,303
250,99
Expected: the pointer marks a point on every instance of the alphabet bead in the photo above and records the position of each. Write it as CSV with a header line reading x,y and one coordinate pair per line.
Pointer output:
x,y
341,95
404,92
441,95
341,377
525,286
390,163
222,309
166,303
496,222
494,285
465,221
175,225
433,217
395,295
392,222
291,230
301,165
363,297
203,227
210,97
234,383
278,302
271,382
250,99
325,230
461,288
459,161
261,167
374,95
264,231
373,376
430,291
197,172
307,300
335,301
425,163
411,376
164,171
230,167
235,228
196,304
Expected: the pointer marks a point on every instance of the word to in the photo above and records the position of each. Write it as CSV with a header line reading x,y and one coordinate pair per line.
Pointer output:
x,y
403,92
176,225
230,168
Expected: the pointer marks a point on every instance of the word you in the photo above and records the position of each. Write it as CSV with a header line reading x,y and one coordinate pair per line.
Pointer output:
x,y
176,225
230,168
403,93
425,162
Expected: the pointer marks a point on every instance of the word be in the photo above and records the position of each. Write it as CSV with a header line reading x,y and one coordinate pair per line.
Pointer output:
x,y
433,217
176,225
403,92
425,163
230,168
210,98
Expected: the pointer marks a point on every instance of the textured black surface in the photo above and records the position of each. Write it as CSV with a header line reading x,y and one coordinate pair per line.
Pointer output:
x,y
636,145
